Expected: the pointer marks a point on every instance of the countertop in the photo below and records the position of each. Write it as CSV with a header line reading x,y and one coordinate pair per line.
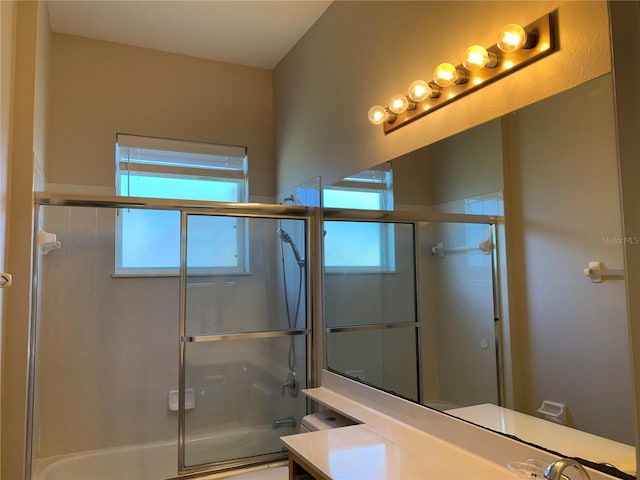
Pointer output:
x,y
560,438
380,447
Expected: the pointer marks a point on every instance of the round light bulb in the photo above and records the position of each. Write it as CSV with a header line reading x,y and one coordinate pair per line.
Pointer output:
x,y
446,74
419,90
477,57
378,114
512,37
399,103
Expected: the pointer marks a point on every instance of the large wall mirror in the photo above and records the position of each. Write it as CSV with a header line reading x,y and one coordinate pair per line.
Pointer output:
x,y
510,333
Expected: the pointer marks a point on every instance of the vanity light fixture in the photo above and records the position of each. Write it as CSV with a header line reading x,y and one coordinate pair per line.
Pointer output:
x,y
512,37
379,114
419,90
447,74
400,103
516,47
477,57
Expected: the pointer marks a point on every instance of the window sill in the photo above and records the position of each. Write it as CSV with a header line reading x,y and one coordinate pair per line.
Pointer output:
x,y
177,275
357,271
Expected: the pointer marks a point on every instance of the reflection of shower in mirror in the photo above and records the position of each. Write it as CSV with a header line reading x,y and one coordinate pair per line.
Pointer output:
x,y
439,249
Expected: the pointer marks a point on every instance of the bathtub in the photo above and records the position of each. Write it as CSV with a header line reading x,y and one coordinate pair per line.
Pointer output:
x,y
155,460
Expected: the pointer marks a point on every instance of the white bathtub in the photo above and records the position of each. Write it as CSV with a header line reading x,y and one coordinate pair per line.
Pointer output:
x,y
156,460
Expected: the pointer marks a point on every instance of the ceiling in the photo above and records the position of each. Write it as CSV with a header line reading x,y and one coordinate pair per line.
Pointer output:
x,y
252,33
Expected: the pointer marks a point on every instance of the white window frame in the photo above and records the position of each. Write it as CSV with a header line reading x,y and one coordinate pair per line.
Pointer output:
x,y
136,155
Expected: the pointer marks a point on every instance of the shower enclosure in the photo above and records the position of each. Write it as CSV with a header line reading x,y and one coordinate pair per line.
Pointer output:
x,y
428,290
194,367
371,306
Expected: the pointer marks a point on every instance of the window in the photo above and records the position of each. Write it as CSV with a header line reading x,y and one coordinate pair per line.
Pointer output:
x,y
148,241
362,246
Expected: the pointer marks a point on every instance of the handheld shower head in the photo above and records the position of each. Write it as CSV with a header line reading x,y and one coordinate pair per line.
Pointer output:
x,y
286,238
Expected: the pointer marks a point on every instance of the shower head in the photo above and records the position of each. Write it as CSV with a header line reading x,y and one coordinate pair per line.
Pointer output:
x,y
286,238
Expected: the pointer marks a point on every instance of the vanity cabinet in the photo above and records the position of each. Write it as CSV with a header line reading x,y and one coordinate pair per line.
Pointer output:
x,y
299,469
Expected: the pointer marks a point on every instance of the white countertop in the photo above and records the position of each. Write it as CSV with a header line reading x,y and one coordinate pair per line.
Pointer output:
x,y
384,448
399,439
560,438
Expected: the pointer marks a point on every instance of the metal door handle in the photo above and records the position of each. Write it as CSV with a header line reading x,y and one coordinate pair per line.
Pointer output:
x,y
6,279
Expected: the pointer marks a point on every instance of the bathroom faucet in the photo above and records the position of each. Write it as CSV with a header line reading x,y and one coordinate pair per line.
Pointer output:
x,y
291,385
284,422
554,471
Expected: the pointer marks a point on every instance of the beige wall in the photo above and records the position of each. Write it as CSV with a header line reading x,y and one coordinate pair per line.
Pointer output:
x,y
468,164
41,96
410,173
27,141
562,211
98,89
360,53
7,32
626,51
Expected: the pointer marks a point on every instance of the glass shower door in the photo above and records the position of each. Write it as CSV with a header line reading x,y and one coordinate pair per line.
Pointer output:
x,y
244,338
404,299
459,315
370,304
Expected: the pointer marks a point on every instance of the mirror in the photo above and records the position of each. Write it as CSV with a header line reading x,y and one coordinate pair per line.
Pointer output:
x,y
512,335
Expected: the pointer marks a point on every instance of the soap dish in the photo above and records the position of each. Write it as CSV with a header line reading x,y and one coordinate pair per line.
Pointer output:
x,y
532,468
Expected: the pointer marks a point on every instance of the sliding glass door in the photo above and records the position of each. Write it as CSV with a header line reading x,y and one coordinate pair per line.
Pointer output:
x,y
370,303
244,337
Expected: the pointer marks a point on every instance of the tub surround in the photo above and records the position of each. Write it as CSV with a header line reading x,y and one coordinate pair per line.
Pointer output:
x,y
398,439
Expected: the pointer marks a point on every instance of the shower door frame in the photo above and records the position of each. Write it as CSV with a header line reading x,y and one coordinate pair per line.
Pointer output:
x,y
313,275
241,210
